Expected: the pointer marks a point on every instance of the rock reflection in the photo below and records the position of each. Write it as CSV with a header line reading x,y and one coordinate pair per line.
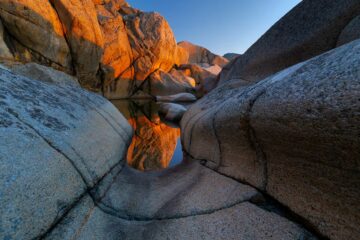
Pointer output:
x,y
154,142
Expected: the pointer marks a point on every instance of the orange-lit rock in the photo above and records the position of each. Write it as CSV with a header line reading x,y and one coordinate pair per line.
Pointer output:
x,y
153,145
153,43
84,36
199,54
36,25
117,54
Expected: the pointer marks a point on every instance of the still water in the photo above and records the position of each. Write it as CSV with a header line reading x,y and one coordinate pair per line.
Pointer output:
x,y
155,145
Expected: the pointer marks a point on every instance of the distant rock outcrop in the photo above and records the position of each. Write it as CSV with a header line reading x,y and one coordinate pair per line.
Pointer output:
x,y
199,54
231,56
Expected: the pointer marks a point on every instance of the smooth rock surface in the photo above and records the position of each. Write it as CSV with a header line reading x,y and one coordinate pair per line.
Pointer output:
x,y
293,135
311,28
58,141
84,36
46,74
172,112
36,25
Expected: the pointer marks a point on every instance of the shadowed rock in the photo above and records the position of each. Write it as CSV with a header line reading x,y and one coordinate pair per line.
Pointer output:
x,y
293,135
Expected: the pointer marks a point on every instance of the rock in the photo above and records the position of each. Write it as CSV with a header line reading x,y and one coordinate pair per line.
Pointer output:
x,y
172,112
132,216
84,36
351,32
182,56
180,97
199,54
214,69
5,53
174,82
45,74
231,56
153,43
36,25
154,142
117,56
301,34
58,142
249,133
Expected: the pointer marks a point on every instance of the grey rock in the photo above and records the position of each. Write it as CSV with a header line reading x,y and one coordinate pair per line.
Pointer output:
x,y
42,73
172,112
311,28
237,222
293,135
180,97
351,32
57,142
231,56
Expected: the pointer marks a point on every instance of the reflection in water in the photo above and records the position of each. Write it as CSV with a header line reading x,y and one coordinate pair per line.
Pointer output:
x,y
155,145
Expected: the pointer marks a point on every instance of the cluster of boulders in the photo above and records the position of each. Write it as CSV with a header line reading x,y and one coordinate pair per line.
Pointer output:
x,y
107,45
284,117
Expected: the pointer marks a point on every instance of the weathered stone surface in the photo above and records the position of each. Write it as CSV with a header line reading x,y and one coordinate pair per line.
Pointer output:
x,y
5,53
117,55
46,74
89,222
294,135
311,28
351,32
84,36
152,42
58,141
199,54
36,25
162,83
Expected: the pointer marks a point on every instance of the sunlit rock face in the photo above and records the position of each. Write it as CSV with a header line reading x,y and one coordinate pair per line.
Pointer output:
x,y
154,142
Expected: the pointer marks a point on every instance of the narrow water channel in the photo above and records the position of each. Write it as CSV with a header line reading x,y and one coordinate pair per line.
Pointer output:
x,y
156,144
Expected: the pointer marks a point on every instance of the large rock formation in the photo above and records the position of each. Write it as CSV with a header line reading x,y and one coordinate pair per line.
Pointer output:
x,y
58,142
294,135
311,28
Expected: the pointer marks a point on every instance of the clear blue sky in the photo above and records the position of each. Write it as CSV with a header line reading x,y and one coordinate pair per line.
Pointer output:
x,y
219,25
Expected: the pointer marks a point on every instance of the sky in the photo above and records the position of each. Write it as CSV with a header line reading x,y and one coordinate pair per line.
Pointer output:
x,y
222,26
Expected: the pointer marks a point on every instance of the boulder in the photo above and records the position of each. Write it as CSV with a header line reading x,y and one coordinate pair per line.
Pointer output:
x,y
117,56
5,53
180,97
152,42
35,25
199,54
161,83
351,32
46,74
293,135
311,28
182,56
58,142
84,36
172,112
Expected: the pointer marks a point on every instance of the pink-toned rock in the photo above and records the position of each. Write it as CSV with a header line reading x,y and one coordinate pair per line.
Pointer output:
x,y
199,54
